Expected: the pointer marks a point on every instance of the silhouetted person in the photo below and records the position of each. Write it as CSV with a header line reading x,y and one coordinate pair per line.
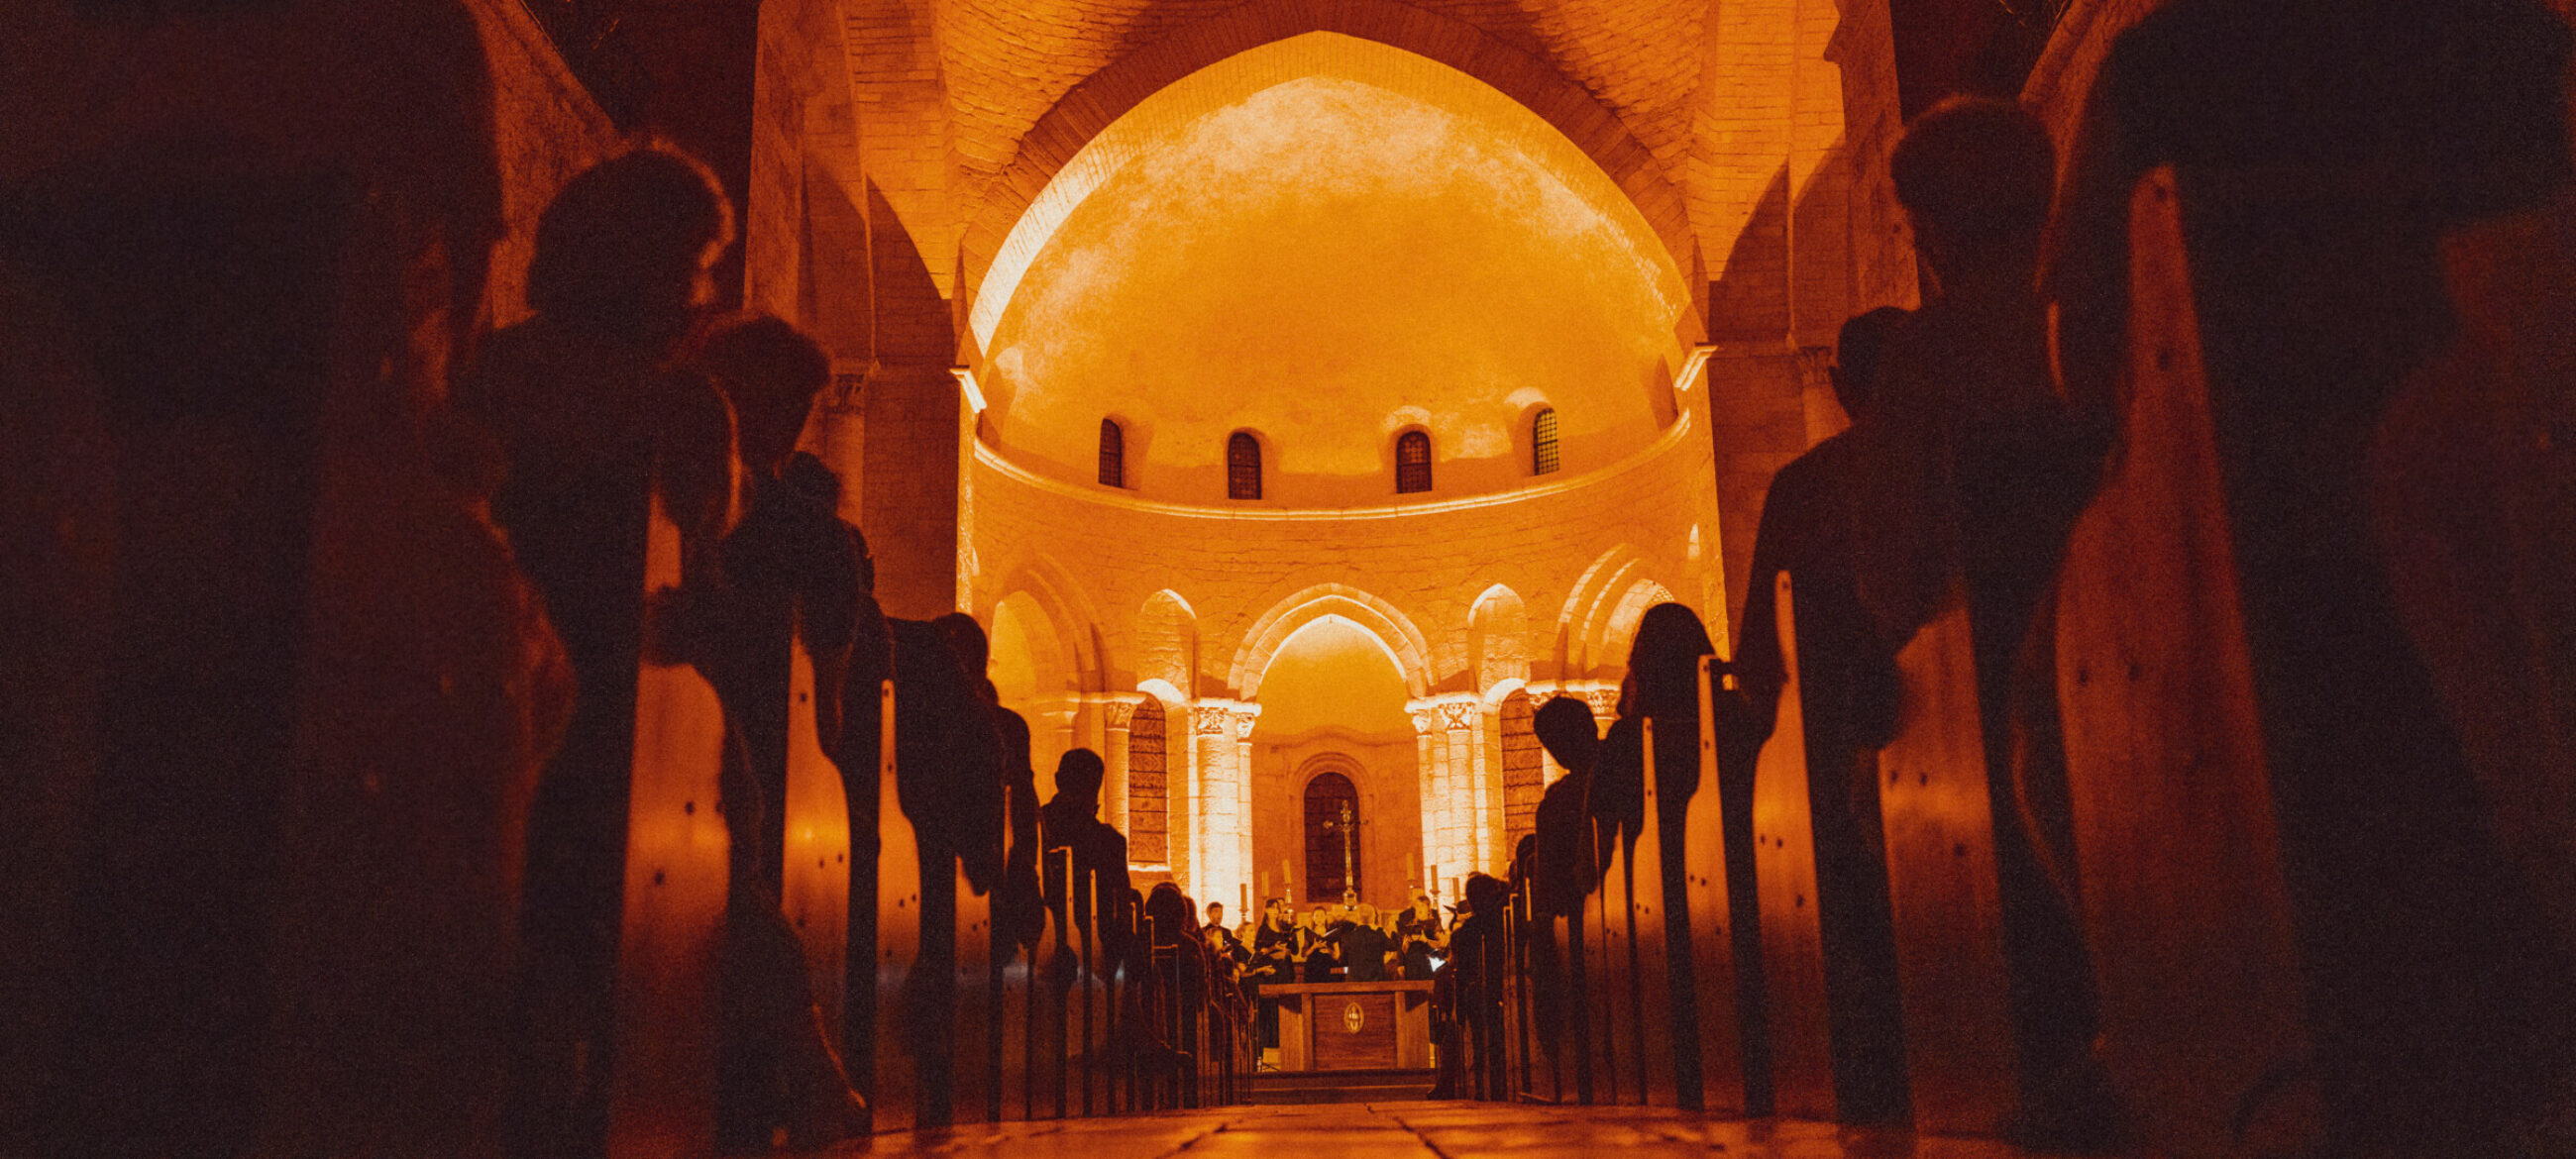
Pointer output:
x,y
1177,989
793,571
232,287
1071,820
1564,868
948,782
1472,1057
1021,922
1663,685
1806,530
2321,151
1976,469
1848,701
594,426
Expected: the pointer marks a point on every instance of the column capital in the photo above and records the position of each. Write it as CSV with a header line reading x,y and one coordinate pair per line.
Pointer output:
x,y
1815,367
1117,709
1213,717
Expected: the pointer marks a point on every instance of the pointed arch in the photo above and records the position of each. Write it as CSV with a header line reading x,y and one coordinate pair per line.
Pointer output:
x,y
1395,631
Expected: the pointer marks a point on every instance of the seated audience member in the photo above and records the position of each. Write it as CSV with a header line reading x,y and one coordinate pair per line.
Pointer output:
x,y
793,571
1472,1047
591,423
1848,700
1974,469
1071,821
1663,686
2322,152
1565,869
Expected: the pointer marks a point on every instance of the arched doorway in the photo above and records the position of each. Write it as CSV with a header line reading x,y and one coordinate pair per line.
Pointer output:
x,y
1332,837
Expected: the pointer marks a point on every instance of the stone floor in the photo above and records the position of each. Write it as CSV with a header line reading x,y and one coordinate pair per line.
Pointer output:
x,y
1421,1130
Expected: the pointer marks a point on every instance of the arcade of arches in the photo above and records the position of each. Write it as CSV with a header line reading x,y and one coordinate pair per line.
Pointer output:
x,y
1320,237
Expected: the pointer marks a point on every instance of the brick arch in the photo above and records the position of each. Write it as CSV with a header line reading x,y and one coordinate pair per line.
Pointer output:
x,y
1498,638
1092,106
1403,641
1590,640
1166,644
1068,609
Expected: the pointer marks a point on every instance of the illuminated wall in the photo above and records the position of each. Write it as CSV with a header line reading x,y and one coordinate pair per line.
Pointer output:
x,y
1325,224
1326,241
1030,166
1472,598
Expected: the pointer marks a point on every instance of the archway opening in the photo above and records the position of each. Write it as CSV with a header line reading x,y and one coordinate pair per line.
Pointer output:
x,y
1333,706
1033,674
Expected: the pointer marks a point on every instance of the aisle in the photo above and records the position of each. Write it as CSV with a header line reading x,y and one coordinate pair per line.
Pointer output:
x,y
1421,1130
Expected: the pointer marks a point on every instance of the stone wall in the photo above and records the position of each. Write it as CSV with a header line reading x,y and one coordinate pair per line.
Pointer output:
x,y
1583,556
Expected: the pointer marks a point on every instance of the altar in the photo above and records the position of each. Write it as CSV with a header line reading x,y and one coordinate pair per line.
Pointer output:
x,y
1353,1025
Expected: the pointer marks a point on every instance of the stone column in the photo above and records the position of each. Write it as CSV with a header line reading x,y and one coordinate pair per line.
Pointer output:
x,y
1427,758
1457,726
1757,423
1240,871
1211,752
1489,784
1116,712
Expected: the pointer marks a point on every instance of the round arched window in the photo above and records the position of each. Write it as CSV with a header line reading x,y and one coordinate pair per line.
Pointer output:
x,y
1543,441
1412,462
1113,454
1332,837
1243,466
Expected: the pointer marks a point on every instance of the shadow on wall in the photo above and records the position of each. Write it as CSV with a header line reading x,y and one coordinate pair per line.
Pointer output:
x,y
910,499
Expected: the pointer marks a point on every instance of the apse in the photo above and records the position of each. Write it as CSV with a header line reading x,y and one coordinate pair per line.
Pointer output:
x,y
1333,705
1325,243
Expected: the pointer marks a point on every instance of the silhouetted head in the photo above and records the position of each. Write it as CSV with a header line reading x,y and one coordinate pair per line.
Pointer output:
x,y
1976,175
771,371
1169,911
1216,913
1663,664
1856,355
1565,726
1486,895
965,640
624,249
1077,776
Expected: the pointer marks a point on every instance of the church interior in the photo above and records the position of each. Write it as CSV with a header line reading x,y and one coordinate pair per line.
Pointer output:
x,y
637,578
